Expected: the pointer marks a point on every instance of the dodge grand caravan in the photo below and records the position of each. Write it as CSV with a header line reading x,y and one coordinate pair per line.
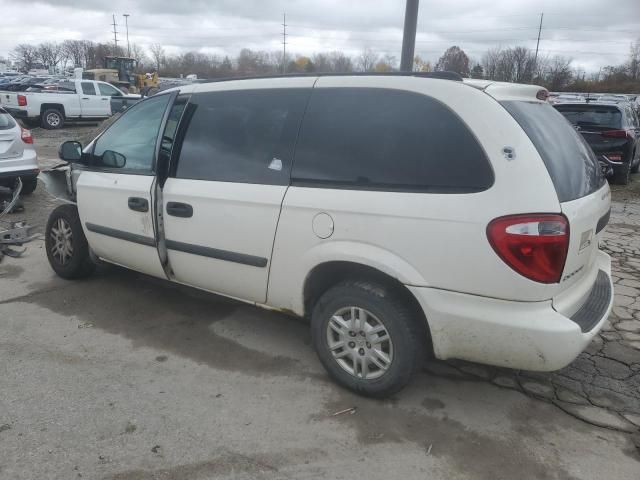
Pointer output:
x,y
402,215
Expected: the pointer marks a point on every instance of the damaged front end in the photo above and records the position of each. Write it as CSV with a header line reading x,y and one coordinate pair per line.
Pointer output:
x,y
13,234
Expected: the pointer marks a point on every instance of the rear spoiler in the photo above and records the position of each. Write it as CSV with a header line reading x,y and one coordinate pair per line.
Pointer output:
x,y
502,91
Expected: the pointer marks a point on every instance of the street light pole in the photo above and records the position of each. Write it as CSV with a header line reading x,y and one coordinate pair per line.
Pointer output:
x,y
409,36
126,22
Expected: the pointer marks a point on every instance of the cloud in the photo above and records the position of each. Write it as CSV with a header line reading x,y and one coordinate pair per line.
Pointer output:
x,y
593,34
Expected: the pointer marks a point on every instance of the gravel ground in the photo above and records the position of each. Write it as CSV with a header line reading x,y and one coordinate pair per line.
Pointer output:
x,y
127,377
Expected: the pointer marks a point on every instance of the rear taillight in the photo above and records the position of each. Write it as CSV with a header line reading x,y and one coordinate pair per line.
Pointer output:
x,y
26,135
22,101
615,133
535,246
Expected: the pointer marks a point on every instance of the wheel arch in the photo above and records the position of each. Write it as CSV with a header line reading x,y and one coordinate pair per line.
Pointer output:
x,y
327,274
56,106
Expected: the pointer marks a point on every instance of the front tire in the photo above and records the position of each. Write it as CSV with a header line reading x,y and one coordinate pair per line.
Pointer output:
x,y
52,119
368,337
66,245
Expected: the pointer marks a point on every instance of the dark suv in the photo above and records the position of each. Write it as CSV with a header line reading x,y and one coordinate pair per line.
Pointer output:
x,y
613,132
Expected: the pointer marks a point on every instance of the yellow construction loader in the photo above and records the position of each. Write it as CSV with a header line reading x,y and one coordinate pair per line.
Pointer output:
x,y
120,71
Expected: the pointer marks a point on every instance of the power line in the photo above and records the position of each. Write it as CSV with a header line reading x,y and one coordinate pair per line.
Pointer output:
x,y
115,35
284,42
126,21
535,61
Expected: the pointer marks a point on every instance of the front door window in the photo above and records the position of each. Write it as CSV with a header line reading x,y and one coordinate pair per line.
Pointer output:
x,y
132,138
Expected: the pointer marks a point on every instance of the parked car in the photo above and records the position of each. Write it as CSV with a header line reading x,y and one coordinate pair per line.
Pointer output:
x,y
17,156
401,214
11,81
80,100
612,130
24,84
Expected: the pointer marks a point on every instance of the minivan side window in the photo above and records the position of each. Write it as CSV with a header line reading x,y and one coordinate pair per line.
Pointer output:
x,y
134,136
243,136
381,139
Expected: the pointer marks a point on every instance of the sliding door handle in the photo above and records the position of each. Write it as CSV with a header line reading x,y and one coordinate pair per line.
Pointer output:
x,y
177,209
138,204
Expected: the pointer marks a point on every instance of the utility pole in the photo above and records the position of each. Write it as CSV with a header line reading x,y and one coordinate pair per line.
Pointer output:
x,y
284,43
535,62
126,22
115,36
409,36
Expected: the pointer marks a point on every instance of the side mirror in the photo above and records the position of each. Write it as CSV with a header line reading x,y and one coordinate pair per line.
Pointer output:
x,y
111,159
70,151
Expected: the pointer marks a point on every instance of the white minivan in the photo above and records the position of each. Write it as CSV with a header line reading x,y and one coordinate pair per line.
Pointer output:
x,y
403,214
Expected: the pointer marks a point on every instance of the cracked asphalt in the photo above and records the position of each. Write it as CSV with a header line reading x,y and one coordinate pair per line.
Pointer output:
x,y
126,377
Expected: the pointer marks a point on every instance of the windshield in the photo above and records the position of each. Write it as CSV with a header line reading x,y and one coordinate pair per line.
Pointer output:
x,y
572,166
591,115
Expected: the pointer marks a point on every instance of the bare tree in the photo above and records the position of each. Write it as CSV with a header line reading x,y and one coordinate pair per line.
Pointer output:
x,y
490,61
515,64
523,61
137,52
340,63
74,51
25,56
157,54
367,60
558,74
252,62
634,60
50,54
89,54
454,60
321,62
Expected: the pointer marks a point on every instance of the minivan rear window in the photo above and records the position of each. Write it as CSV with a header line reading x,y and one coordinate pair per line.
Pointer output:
x,y
572,166
590,115
6,122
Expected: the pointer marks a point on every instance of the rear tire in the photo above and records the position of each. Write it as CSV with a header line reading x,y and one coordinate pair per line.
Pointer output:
x,y
29,185
343,348
621,174
52,119
66,246
636,167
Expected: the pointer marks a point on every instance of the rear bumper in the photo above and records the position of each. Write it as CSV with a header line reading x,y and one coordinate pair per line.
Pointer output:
x,y
522,335
23,166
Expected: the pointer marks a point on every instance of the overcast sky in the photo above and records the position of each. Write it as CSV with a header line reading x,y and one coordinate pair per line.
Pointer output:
x,y
593,33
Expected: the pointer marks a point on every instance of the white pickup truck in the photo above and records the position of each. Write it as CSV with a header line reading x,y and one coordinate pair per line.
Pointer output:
x,y
74,100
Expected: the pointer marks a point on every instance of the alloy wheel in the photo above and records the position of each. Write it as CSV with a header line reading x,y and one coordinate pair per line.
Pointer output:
x,y
62,241
360,343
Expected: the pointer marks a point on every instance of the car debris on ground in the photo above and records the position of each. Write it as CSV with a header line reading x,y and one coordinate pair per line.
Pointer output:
x,y
13,234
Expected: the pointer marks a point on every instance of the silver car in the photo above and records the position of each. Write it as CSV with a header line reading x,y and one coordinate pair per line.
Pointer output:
x,y
18,158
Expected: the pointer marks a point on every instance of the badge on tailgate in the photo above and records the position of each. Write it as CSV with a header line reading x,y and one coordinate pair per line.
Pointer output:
x,y
585,239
